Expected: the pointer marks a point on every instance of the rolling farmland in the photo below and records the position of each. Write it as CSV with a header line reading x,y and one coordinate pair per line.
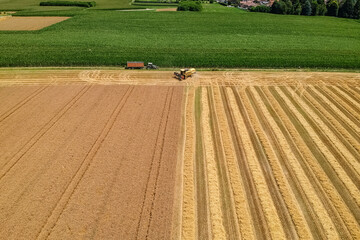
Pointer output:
x,y
136,154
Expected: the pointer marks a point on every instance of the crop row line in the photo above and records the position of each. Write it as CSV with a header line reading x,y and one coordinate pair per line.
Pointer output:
x,y
312,168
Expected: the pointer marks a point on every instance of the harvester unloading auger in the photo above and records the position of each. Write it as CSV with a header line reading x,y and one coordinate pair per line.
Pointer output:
x,y
184,73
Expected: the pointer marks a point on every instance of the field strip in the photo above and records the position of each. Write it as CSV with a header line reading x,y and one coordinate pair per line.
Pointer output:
x,y
162,141
227,201
267,203
345,213
316,172
335,122
241,204
188,205
345,156
216,215
147,206
302,228
260,224
355,105
265,164
202,195
324,149
346,113
66,195
34,139
21,103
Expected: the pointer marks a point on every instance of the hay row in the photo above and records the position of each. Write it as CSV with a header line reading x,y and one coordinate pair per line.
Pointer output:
x,y
355,104
336,142
351,92
318,174
241,204
294,209
216,215
188,205
337,110
325,151
272,217
339,127
344,104
227,199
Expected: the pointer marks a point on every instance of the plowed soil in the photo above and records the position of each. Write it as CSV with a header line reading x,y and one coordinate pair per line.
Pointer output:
x,y
28,23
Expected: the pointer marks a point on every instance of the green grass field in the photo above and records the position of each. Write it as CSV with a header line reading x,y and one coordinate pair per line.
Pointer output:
x,y
34,5
217,37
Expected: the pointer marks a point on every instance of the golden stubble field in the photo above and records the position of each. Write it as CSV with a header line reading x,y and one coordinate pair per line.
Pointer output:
x,y
258,155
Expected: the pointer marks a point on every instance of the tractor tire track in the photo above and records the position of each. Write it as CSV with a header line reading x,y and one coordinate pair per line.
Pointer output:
x,y
144,218
66,195
34,139
22,103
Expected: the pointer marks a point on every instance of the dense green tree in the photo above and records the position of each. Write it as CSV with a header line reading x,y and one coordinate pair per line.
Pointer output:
x,y
279,7
322,9
332,8
306,10
346,10
314,8
357,10
297,9
289,7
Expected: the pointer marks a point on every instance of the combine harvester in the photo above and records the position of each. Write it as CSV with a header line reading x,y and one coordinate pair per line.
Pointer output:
x,y
184,73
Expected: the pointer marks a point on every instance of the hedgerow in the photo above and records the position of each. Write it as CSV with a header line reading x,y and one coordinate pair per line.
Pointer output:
x,y
68,3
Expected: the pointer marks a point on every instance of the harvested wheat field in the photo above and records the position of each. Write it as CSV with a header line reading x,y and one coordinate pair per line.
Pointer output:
x,y
28,23
113,154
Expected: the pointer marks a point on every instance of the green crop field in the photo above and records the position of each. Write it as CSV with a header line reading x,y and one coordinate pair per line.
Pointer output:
x,y
34,5
216,37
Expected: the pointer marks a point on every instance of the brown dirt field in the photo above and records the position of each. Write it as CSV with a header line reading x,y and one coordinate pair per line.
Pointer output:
x,y
29,23
166,9
115,154
89,162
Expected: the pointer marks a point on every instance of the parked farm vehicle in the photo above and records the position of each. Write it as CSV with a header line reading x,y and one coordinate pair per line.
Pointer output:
x,y
184,73
151,66
140,65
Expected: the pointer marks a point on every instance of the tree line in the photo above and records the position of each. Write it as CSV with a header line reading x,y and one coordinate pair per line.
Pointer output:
x,y
344,9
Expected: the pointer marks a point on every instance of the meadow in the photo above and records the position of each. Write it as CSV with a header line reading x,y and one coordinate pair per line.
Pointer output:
x,y
218,37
